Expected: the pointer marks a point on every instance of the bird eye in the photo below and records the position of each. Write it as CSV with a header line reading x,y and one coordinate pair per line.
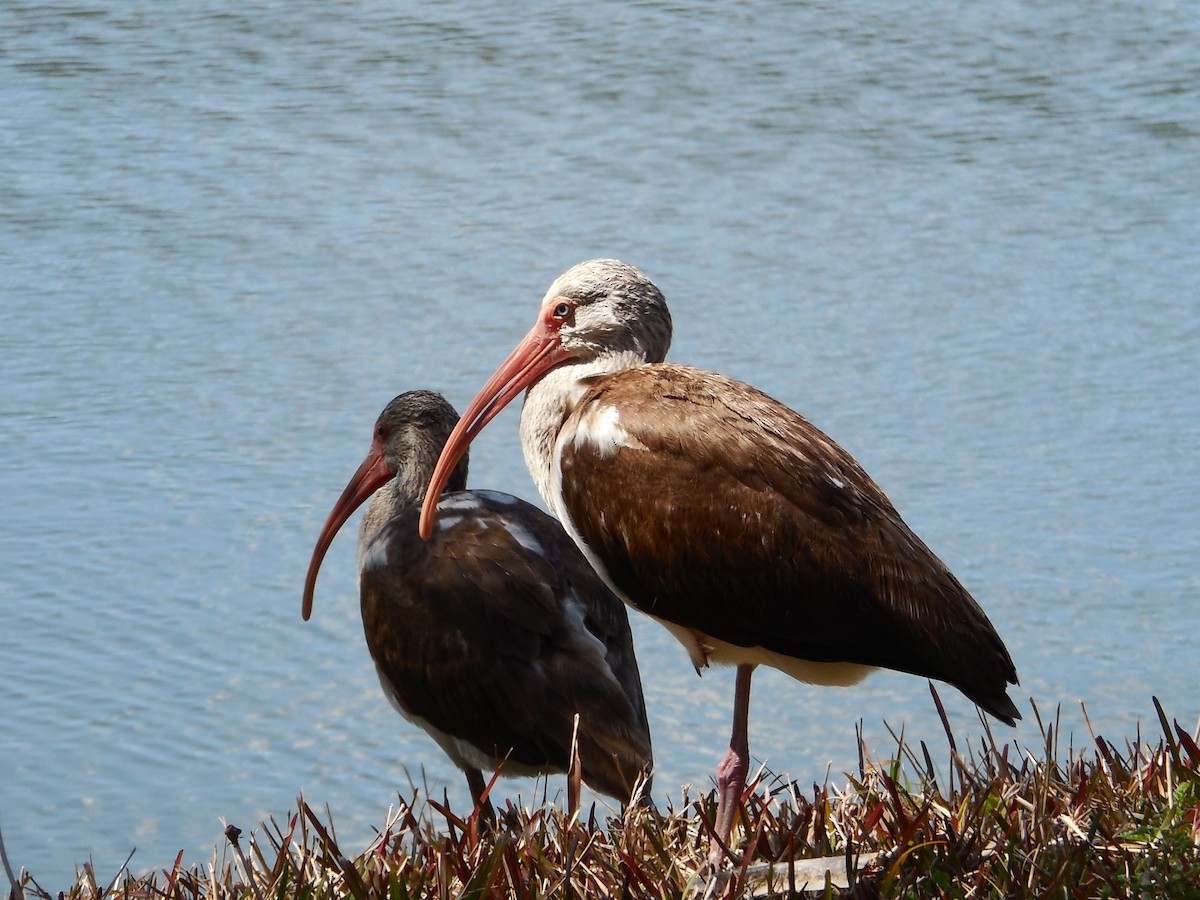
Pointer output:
x,y
382,430
563,309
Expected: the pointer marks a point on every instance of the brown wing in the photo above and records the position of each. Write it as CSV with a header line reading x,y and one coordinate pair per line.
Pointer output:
x,y
496,632
728,513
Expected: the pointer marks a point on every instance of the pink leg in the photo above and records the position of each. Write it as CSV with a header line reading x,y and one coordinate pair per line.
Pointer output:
x,y
732,772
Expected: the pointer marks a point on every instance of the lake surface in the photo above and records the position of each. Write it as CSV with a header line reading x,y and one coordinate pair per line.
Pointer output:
x,y
962,240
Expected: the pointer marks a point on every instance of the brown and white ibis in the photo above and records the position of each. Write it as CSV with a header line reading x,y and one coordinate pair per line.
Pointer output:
x,y
496,632
720,512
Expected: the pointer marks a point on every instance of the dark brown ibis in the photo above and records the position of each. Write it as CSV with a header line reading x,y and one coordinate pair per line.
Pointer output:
x,y
495,633
720,512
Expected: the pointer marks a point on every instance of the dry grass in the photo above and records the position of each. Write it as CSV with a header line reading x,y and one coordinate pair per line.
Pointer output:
x,y
993,821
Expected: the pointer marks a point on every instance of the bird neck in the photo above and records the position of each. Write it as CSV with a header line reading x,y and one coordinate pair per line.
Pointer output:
x,y
376,516
548,403
407,490
402,493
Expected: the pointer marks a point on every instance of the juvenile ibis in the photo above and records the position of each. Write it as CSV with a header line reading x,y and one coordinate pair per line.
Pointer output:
x,y
720,512
496,632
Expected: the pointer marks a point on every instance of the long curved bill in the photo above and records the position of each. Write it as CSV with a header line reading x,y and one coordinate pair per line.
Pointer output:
x,y
539,352
370,477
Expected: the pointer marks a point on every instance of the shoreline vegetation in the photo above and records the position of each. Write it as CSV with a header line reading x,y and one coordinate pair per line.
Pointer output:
x,y
991,820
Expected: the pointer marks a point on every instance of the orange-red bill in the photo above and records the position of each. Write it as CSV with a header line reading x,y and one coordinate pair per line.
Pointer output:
x,y
539,352
370,477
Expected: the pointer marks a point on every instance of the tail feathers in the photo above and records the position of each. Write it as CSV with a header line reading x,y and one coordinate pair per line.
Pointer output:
x,y
613,763
999,705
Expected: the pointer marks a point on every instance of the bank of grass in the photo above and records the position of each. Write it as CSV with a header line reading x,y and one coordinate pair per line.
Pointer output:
x,y
992,820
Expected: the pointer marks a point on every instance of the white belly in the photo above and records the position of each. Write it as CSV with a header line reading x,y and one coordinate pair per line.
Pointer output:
x,y
706,650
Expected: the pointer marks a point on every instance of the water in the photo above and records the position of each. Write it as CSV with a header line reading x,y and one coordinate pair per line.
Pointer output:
x,y
962,240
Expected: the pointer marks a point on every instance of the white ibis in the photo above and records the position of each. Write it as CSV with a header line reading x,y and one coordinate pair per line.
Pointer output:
x,y
720,512
495,633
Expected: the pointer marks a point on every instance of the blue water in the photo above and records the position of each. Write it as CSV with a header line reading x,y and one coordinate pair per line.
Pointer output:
x,y
961,240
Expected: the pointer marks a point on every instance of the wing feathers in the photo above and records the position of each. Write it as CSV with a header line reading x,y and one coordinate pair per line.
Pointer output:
x,y
499,646
730,514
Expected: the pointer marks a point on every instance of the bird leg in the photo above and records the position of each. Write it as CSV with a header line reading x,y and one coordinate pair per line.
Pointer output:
x,y
487,815
732,772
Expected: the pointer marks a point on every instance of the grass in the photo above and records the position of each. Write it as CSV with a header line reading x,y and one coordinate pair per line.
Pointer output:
x,y
993,821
